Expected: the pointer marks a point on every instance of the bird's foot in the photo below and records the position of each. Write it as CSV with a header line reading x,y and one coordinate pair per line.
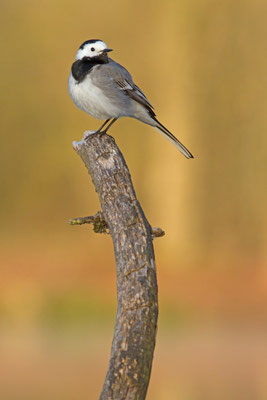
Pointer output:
x,y
101,133
88,133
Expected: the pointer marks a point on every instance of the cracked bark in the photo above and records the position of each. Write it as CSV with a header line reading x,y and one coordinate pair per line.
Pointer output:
x,y
137,309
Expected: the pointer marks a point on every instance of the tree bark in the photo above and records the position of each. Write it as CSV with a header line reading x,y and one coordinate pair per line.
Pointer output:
x,y
137,310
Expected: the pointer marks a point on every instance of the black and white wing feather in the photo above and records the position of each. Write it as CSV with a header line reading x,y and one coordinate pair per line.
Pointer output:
x,y
135,93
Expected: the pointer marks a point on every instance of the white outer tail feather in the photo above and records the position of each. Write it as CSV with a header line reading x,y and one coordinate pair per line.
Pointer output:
x,y
164,131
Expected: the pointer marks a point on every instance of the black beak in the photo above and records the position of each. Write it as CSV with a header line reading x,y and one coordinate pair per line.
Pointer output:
x,y
107,50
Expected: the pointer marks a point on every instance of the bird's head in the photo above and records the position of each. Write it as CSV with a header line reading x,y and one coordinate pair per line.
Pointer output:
x,y
93,49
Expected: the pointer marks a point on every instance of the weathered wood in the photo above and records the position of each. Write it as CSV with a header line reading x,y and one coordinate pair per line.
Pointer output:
x,y
137,310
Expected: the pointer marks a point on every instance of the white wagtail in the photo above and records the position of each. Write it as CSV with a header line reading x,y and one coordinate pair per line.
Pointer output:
x,y
105,90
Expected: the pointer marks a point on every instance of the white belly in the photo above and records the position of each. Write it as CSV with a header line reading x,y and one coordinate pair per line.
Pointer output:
x,y
91,99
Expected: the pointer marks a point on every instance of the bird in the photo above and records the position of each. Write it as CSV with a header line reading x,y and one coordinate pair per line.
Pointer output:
x,y
105,90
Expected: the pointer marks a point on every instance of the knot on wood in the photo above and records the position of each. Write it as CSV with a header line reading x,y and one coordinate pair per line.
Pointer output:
x,y
100,225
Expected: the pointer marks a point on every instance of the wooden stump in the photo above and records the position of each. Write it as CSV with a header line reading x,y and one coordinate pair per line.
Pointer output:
x,y
137,310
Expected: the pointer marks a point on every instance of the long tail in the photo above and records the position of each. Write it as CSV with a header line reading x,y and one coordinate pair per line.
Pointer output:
x,y
164,131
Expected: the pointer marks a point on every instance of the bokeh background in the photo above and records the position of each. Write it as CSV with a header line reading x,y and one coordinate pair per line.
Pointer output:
x,y
203,66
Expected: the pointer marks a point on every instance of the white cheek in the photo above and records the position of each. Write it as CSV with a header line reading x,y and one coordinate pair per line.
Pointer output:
x,y
87,53
79,54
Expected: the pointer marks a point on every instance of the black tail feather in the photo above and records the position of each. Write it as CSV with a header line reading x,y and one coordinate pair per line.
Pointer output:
x,y
173,139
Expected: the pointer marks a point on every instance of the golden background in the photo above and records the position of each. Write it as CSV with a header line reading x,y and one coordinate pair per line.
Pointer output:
x,y
203,65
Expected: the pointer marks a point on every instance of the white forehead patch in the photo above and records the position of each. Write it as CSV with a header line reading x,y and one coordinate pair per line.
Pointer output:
x,y
91,49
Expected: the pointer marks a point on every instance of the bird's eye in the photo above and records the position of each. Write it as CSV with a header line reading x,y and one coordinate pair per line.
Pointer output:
x,y
92,49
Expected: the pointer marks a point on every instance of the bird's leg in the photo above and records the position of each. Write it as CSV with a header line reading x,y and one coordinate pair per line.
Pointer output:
x,y
109,125
102,126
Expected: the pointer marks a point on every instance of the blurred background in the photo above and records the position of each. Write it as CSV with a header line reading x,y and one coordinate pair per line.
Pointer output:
x,y
203,66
